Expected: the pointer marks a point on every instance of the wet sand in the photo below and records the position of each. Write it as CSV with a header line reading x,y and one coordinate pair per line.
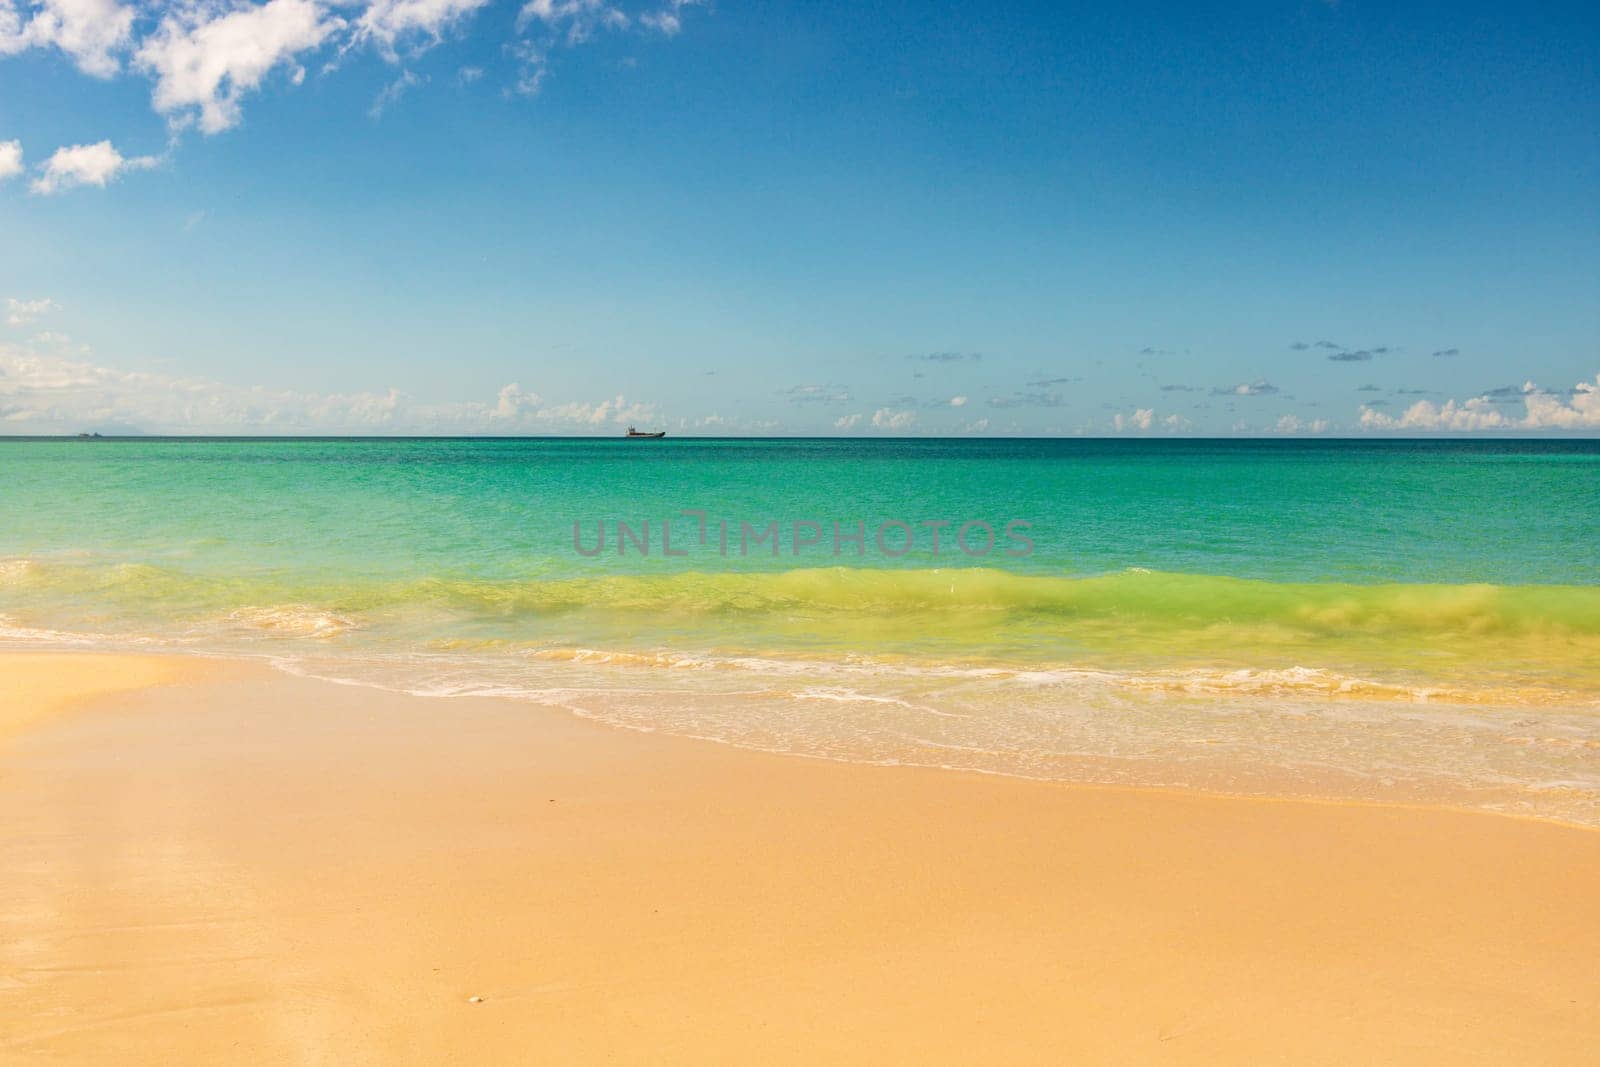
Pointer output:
x,y
209,862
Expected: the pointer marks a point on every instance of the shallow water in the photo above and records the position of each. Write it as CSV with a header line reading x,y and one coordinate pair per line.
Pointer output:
x,y
1383,620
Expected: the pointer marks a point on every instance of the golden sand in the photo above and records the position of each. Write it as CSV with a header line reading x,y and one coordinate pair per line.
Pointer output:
x,y
241,867
34,687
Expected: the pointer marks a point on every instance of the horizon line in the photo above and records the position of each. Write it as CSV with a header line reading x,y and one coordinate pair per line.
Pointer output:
x,y
1478,435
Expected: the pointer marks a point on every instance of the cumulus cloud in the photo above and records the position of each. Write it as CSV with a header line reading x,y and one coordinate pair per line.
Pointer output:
x,y
847,422
1474,414
204,58
958,401
48,390
514,402
1542,410
1550,411
92,32
10,159
891,419
85,164
1139,420
22,312
617,410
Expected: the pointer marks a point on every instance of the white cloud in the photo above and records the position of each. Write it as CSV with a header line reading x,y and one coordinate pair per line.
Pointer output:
x,y
85,164
669,18
616,410
577,19
558,22
534,60
90,31
45,390
1259,387
513,402
958,401
847,422
205,58
393,92
565,23
1294,424
1474,414
22,312
722,425
1143,420
816,394
890,419
1541,411
1139,420
387,22
1547,411
976,426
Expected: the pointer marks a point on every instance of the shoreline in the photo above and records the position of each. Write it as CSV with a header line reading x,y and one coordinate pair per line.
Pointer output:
x,y
1061,783
221,853
1273,785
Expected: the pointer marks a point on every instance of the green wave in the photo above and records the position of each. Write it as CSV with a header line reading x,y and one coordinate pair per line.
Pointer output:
x,y
973,611
1182,601
1164,599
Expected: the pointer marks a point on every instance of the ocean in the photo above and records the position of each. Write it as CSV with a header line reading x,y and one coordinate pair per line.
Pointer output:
x,y
1397,621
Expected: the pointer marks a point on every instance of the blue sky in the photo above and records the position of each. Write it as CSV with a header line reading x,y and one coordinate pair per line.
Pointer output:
x,y
567,215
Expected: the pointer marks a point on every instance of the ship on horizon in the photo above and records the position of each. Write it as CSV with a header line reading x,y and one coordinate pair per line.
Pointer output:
x,y
643,433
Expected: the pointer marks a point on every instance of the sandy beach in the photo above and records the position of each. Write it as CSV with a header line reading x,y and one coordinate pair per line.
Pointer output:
x,y
215,862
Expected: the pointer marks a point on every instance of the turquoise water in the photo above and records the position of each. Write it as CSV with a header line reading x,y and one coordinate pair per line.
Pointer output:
x,y
1392,620
1452,512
